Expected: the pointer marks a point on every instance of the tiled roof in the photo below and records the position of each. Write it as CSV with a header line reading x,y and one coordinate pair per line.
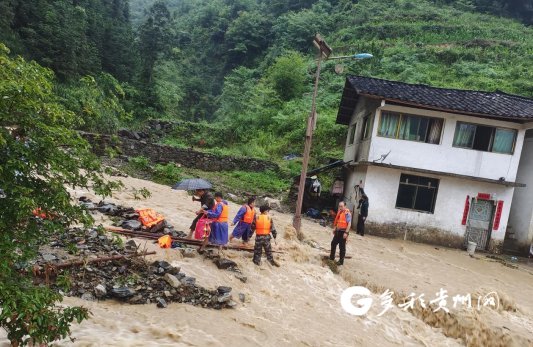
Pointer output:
x,y
485,104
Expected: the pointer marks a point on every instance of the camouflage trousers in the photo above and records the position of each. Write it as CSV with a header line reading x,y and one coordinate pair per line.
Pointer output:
x,y
262,241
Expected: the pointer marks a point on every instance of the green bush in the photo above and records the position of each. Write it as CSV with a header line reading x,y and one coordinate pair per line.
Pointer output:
x,y
140,163
168,173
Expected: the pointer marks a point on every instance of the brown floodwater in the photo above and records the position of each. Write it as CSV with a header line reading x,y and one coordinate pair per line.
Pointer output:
x,y
298,304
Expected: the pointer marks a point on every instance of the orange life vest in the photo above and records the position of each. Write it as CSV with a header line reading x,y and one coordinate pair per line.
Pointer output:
x,y
340,219
165,241
263,224
249,215
223,218
148,217
39,213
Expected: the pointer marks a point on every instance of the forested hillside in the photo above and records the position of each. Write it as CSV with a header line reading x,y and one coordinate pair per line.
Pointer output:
x,y
244,68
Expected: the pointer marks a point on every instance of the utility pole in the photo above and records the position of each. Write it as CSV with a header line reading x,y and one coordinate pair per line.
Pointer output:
x,y
324,53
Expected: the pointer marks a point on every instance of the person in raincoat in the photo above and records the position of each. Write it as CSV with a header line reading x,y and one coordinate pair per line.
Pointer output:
x,y
219,227
206,202
244,218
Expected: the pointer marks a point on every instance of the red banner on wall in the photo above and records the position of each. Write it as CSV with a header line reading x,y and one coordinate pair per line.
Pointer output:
x,y
467,208
483,196
497,216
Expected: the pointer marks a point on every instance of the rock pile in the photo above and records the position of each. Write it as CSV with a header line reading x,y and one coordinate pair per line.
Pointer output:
x,y
126,217
131,280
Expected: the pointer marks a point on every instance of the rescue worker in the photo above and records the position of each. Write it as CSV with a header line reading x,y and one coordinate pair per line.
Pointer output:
x,y
244,218
264,231
341,230
206,201
219,227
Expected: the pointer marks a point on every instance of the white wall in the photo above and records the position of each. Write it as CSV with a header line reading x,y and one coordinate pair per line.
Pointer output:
x,y
381,186
521,218
444,157
355,174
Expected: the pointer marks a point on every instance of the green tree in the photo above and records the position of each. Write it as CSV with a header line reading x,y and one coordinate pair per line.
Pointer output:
x,y
97,101
247,37
155,37
288,75
40,155
168,86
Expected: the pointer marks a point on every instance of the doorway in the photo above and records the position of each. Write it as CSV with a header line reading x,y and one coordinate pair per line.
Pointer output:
x,y
479,223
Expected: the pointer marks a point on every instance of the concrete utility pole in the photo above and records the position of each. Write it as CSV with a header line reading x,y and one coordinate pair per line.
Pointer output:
x,y
324,54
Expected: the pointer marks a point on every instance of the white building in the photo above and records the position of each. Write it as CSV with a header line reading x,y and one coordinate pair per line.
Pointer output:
x,y
439,165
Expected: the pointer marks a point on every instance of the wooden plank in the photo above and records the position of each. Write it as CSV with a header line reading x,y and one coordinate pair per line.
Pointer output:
x,y
192,242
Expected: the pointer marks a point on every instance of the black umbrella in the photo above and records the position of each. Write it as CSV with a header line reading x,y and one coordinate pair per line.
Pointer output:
x,y
192,184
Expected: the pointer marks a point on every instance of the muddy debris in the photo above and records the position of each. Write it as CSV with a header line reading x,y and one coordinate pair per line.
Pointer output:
x,y
132,280
128,218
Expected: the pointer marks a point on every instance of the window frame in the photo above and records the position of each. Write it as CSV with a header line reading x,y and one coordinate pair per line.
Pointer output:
x,y
491,142
352,134
435,194
366,130
398,127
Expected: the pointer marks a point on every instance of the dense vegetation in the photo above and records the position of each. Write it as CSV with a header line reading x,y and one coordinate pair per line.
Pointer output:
x,y
245,67
40,155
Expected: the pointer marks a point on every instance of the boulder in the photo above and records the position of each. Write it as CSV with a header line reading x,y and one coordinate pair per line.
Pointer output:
x,y
189,252
224,297
107,209
131,224
242,297
100,291
223,289
87,297
122,292
163,264
161,303
172,280
223,263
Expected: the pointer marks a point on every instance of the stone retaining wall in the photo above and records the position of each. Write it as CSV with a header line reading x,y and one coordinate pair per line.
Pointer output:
x,y
164,154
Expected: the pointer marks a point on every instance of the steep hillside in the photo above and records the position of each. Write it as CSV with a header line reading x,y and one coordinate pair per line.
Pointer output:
x,y
246,67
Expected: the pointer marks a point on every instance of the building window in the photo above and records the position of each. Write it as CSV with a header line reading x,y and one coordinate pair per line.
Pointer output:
x,y
351,139
417,193
367,127
484,138
410,127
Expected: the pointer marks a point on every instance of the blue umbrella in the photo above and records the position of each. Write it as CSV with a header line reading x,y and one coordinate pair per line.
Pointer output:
x,y
192,184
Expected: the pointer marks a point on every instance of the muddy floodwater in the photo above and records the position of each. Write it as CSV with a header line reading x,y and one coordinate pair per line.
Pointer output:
x,y
298,304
